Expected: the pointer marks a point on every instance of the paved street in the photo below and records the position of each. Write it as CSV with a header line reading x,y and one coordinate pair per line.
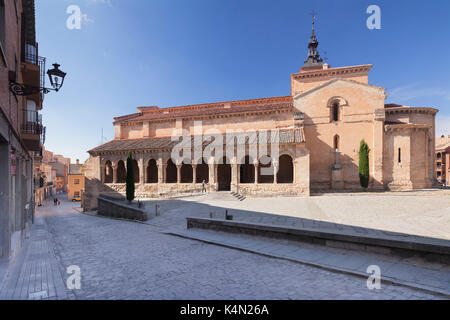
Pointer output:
x,y
127,260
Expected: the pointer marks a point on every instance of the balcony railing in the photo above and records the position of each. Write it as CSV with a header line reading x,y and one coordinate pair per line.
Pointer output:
x,y
30,55
32,123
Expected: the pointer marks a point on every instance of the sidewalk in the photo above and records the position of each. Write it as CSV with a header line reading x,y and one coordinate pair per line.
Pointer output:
x,y
35,274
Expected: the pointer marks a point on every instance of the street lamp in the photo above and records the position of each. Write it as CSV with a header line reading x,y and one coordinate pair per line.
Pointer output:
x,y
55,75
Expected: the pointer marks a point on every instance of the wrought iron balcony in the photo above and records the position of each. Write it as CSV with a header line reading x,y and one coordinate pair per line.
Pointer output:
x,y
32,122
34,76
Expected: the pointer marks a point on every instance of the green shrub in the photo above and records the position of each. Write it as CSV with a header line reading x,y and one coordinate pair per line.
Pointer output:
x,y
364,175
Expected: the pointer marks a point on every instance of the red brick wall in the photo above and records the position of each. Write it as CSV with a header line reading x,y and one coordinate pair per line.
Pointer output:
x,y
9,103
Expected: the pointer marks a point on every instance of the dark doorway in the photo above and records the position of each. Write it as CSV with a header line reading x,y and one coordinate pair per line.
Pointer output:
x,y
171,172
247,171
152,171
186,173
121,172
202,173
108,174
286,170
224,176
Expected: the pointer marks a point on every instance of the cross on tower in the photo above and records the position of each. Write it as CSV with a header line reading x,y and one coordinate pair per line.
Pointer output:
x,y
314,16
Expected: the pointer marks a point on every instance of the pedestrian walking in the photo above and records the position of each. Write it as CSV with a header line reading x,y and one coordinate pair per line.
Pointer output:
x,y
54,201
204,186
59,202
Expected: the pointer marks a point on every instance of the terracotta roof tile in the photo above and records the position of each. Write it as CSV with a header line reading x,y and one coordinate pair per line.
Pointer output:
x,y
230,107
285,136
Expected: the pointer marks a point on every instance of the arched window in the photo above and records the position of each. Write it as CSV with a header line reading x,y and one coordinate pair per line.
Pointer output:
x,y
265,170
152,171
136,171
171,172
286,170
121,172
108,173
186,173
202,172
247,171
335,112
336,143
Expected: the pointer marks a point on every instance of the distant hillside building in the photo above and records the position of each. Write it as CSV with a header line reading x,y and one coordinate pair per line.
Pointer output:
x,y
316,130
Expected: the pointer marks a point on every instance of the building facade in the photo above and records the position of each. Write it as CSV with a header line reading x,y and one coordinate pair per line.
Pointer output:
x,y
316,132
21,130
76,181
443,160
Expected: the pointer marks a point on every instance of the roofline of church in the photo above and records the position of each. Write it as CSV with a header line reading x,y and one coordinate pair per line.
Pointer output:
x,y
364,68
326,83
410,109
158,110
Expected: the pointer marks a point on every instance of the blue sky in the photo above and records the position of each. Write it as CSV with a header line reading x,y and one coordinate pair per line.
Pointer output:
x,y
131,53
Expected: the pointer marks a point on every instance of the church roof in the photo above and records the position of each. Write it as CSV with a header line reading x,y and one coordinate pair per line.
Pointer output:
x,y
285,136
210,109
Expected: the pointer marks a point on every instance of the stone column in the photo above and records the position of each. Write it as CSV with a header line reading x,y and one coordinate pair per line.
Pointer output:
x,y
212,170
256,165
378,148
276,166
234,175
160,166
141,169
194,173
115,173
102,173
179,173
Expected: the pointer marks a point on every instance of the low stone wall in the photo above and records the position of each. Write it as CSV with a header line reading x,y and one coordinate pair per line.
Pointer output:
x,y
432,249
119,209
272,190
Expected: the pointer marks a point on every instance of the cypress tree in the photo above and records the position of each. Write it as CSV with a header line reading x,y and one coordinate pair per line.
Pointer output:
x,y
130,178
364,151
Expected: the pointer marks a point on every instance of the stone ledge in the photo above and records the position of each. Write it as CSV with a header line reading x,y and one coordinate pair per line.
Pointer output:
x,y
434,249
116,209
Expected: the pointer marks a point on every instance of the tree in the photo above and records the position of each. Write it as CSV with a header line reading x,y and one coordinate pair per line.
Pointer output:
x,y
130,178
364,151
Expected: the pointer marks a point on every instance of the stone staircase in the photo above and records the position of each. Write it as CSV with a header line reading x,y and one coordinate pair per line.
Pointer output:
x,y
238,196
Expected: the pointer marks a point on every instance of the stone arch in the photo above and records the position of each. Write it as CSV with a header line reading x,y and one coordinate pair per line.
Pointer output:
x,y
187,173
285,172
264,167
135,171
202,172
152,171
121,172
171,172
247,171
108,172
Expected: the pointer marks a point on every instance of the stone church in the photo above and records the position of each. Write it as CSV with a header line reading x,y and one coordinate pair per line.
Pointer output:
x,y
316,130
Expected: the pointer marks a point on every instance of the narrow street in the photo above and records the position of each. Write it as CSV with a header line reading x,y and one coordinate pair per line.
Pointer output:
x,y
128,260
